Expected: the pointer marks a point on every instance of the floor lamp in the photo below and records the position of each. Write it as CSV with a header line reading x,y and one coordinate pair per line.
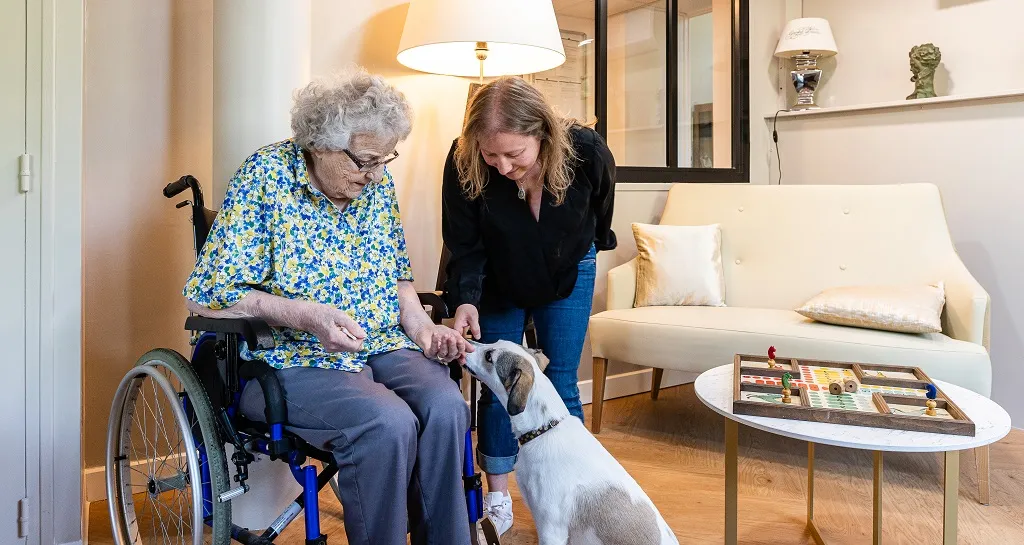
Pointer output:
x,y
481,38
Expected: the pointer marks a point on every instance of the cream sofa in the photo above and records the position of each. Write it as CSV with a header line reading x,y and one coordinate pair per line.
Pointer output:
x,y
782,245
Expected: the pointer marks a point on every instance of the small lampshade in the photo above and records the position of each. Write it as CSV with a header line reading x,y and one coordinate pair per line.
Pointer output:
x,y
810,35
440,37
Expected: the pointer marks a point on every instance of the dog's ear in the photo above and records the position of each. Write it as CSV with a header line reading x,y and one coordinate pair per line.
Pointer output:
x,y
517,376
542,360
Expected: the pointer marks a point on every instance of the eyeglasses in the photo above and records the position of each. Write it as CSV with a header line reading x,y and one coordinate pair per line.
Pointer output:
x,y
373,164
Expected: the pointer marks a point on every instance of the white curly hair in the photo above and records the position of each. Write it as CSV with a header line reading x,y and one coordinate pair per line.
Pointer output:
x,y
330,110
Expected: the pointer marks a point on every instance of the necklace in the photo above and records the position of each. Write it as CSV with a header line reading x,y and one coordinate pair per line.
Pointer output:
x,y
522,192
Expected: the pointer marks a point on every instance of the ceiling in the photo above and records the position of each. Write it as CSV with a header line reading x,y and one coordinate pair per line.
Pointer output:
x,y
584,9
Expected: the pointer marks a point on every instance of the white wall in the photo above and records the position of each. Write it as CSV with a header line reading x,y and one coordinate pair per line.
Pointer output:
x,y
767,17
980,41
147,108
970,150
699,71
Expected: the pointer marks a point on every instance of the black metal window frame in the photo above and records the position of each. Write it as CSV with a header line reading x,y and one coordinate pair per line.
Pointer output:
x,y
740,170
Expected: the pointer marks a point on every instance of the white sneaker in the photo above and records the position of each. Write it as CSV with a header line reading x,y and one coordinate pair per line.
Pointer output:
x,y
498,508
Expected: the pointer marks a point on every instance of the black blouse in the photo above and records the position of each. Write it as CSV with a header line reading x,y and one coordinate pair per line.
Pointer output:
x,y
502,256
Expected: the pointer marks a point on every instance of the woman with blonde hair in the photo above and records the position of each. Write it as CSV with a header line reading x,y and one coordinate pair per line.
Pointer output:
x,y
527,203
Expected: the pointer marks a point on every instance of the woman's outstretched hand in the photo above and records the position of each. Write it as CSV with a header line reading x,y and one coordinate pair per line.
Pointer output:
x,y
467,317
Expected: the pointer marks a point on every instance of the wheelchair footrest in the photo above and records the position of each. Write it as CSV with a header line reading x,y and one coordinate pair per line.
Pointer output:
x,y
322,540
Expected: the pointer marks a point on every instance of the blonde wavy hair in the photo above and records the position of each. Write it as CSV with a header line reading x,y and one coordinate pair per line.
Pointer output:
x,y
510,104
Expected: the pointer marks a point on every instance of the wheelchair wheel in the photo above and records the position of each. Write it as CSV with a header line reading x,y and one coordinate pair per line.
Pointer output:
x,y
165,458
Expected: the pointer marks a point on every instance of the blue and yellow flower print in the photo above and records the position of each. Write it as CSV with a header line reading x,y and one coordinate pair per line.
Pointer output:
x,y
277,233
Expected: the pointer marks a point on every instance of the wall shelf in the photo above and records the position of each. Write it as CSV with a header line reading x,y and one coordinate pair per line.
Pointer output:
x,y
902,105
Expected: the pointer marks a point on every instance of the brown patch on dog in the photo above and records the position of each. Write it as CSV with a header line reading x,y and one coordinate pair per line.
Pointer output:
x,y
516,375
613,517
542,360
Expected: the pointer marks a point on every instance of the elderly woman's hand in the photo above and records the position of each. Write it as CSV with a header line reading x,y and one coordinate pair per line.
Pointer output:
x,y
329,324
441,343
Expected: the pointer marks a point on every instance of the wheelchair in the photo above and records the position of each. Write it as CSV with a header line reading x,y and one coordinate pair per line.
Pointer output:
x,y
168,476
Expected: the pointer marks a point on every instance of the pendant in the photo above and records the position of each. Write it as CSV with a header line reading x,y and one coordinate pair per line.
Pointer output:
x,y
522,193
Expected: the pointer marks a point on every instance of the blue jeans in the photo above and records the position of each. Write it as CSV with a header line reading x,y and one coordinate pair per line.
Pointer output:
x,y
561,331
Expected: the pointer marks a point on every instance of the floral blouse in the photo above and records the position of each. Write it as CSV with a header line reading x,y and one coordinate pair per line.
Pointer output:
x,y
277,233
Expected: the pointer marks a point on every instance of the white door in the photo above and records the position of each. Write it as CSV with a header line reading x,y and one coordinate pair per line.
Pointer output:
x,y
13,213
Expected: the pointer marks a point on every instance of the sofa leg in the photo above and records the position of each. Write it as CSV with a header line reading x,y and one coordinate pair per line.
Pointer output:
x,y
981,460
600,375
656,382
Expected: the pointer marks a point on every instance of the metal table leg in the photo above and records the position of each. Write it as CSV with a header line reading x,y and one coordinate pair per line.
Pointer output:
x,y
951,489
876,497
731,480
815,535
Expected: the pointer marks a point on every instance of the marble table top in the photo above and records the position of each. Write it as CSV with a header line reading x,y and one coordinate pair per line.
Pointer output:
x,y
992,423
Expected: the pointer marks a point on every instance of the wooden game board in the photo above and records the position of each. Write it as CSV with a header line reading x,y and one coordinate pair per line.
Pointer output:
x,y
887,396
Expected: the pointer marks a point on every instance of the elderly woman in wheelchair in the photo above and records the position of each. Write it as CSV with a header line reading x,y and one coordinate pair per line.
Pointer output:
x,y
309,240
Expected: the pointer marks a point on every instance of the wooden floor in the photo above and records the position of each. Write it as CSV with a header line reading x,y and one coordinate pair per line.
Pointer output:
x,y
674,448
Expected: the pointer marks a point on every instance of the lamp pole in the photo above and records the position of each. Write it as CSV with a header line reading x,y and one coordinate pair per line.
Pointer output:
x,y
481,55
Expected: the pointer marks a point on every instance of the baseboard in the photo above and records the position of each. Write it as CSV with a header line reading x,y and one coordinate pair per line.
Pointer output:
x,y
96,482
632,383
79,542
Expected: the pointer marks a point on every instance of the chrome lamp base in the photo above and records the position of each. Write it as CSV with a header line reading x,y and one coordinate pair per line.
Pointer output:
x,y
805,81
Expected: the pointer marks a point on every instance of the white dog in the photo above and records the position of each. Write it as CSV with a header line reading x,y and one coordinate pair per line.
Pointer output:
x,y
578,493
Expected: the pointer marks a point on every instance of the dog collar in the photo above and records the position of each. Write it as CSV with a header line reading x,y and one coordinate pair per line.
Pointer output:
x,y
531,435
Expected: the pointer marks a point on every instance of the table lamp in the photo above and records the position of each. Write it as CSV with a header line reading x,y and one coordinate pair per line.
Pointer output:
x,y
481,37
805,40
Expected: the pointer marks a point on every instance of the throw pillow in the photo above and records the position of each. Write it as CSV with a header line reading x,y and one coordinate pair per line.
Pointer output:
x,y
904,309
679,265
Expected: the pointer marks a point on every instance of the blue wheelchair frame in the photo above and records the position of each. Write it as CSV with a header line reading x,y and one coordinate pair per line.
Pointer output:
x,y
225,377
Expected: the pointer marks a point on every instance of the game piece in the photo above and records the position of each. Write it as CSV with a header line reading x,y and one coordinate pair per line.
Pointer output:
x,y
932,393
771,357
835,388
786,388
850,386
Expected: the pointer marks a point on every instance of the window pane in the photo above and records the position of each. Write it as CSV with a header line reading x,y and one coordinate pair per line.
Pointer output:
x,y
705,83
570,87
636,82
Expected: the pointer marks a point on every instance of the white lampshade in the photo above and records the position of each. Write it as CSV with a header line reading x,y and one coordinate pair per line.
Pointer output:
x,y
440,37
810,35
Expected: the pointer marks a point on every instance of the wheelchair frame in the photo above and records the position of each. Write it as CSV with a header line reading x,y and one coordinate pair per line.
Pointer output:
x,y
222,374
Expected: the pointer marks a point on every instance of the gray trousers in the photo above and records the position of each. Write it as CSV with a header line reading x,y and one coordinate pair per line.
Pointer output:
x,y
397,430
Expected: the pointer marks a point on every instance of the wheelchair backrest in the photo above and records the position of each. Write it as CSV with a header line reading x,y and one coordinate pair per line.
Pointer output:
x,y
202,217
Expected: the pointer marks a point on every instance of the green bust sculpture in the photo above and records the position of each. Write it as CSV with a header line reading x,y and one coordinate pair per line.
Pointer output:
x,y
924,59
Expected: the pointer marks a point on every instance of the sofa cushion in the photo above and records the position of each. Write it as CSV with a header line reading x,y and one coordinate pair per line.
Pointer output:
x,y
906,309
696,339
679,265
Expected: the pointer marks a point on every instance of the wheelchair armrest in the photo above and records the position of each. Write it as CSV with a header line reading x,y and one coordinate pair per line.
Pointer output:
x,y
256,332
433,299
